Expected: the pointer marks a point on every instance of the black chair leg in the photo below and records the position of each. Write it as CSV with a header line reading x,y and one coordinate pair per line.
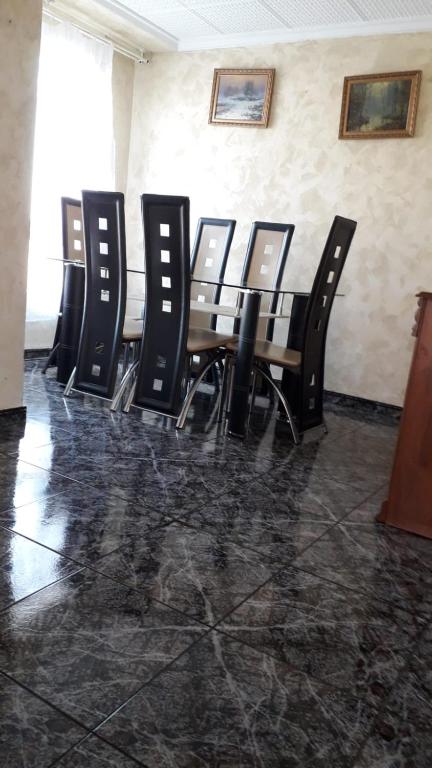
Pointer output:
x,y
51,356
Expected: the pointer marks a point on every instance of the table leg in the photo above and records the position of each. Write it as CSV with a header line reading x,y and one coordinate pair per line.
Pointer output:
x,y
237,423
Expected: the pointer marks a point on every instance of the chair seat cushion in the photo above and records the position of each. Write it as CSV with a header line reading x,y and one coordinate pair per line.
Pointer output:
x,y
273,354
132,329
201,339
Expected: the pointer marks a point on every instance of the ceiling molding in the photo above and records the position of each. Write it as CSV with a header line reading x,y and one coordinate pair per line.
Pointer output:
x,y
357,29
144,25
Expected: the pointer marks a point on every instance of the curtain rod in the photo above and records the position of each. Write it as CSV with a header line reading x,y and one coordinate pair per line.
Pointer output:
x,y
141,58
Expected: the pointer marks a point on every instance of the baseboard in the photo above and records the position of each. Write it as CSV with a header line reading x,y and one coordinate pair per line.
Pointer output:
x,y
33,354
371,407
20,411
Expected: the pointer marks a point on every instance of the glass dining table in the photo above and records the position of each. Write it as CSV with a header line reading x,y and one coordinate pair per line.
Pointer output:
x,y
247,310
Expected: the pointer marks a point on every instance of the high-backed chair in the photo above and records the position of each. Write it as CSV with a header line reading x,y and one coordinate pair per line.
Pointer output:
x,y
301,392
264,265
105,294
168,342
72,289
208,262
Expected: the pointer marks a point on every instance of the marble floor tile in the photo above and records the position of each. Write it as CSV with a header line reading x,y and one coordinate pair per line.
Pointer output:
x,y
337,635
203,575
82,523
22,483
169,485
26,567
280,514
18,433
95,753
353,458
87,643
368,510
391,565
224,704
402,733
32,733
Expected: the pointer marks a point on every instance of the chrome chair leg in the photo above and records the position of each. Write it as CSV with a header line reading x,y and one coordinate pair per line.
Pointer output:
x,y
130,398
253,393
69,385
284,402
125,358
116,402
223,389
190,396
230,386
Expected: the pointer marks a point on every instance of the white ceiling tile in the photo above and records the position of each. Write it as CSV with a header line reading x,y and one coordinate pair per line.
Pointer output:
x,y
306,13
182,23
147,8
377,10
238,17
195,20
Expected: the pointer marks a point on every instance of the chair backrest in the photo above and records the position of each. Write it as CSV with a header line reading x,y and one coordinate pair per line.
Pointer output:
x,y
105,292
72,229
166,317
209,259
317,314
264,266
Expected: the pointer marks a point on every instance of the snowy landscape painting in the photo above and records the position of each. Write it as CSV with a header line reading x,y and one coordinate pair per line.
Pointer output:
x,y
241,96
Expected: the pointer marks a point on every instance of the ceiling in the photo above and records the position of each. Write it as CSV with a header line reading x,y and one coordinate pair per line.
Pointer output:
x,y
202,24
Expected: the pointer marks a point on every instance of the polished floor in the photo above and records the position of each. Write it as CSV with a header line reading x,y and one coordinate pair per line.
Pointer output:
x,y
185,600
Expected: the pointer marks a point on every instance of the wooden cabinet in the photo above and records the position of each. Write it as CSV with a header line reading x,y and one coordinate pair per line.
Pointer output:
x,y
409,505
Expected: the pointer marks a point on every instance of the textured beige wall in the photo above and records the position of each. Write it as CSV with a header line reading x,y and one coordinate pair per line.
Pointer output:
x,y
298,171
20,24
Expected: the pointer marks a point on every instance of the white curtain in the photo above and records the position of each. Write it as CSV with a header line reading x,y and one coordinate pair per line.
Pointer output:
x,y
74,150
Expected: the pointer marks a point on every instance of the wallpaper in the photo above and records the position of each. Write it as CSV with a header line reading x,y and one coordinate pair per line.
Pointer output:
x,y
298,171
20,23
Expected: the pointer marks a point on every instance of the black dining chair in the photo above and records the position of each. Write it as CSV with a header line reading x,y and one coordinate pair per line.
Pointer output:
x,y
72,288
301,391
103,327
161,373
209,258
208,262
264,266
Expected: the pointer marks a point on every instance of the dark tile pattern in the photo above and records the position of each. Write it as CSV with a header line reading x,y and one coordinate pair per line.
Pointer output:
x,y
200,574
32,733
388,564
123,540
82,523
95,753
87,643
329,632
224,704
26,567
22,482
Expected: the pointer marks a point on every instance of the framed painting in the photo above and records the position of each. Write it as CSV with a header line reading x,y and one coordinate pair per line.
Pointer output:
x,y
380,106
241,97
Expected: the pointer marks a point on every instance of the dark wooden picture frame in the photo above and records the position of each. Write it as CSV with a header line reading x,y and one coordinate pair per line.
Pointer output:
x,y
380,106
241,97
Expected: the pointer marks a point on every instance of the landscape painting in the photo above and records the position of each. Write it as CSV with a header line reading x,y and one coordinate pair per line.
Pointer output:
x,y
380,106
241,96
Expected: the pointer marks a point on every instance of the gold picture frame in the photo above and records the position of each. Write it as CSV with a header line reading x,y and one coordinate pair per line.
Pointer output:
x,y
380,106
241,97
